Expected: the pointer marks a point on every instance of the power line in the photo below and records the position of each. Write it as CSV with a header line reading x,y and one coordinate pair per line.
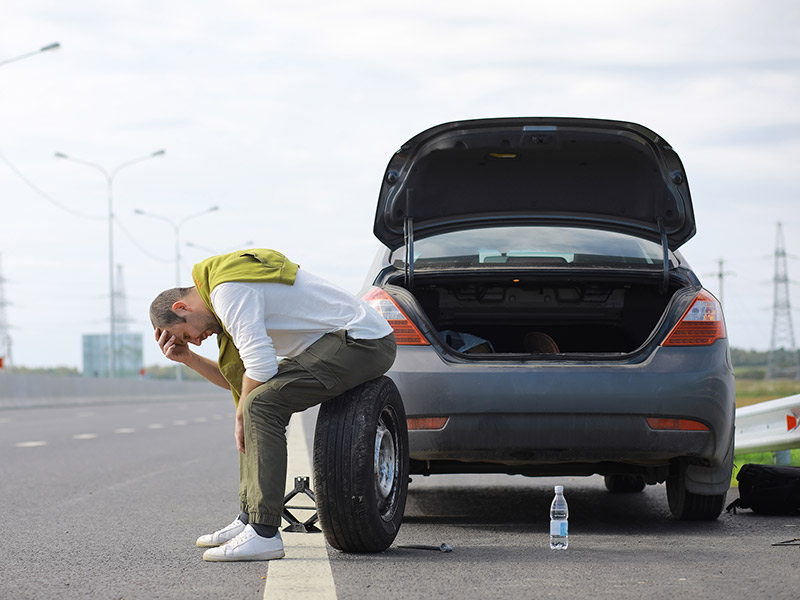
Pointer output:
x,y
45,195
720,274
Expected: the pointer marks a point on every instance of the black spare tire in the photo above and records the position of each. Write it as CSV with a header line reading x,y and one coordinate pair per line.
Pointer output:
x,y
361,467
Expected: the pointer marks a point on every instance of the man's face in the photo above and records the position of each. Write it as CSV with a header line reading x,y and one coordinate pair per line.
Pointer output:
x,y
196,329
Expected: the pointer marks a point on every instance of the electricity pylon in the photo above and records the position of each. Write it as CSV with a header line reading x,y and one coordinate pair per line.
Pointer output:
x,y
783,360
121,316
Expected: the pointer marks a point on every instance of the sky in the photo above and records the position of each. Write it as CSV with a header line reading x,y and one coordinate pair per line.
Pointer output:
x,y
285,114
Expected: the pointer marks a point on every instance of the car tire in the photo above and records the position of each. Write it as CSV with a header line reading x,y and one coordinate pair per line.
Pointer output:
x,y
361,467
624,483
686,505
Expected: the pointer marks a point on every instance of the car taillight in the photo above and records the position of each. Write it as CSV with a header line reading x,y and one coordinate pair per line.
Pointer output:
x,y
701,325
405,332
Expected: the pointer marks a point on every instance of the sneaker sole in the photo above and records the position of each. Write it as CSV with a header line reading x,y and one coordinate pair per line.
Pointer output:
x,y
271,555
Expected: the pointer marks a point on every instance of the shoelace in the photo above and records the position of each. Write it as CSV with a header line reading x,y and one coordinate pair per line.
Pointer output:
x,y
233,525
241,538
224,530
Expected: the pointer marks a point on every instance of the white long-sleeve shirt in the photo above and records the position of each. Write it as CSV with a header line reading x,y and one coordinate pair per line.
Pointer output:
x,y
268,320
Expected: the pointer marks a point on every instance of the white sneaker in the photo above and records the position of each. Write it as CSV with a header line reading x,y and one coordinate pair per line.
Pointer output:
x,y
226,534
248,545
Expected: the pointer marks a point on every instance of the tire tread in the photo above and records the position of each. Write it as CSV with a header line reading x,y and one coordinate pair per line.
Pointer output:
x,y
344,471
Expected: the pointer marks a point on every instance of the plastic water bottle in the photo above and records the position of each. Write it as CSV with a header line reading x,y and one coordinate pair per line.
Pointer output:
x,y
558,521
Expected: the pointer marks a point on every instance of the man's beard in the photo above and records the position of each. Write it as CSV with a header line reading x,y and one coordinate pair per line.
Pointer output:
x,y
213,326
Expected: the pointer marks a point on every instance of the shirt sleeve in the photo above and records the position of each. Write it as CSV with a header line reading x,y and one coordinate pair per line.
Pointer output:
x,y
241,310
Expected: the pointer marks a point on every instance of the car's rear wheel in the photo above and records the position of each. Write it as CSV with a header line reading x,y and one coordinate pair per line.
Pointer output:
x,y
686,505
361,467
624,483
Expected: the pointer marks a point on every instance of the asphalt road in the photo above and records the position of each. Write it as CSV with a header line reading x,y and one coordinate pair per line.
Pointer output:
x,y
106,502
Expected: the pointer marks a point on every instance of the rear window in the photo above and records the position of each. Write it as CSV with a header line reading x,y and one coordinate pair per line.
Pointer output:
x,y
542,247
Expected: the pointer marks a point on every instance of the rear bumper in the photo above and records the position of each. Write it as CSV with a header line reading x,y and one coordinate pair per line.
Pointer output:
x,y
578,413
553,439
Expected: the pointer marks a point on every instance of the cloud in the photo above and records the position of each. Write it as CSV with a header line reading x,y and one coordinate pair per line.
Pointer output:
x,y
285,115
769,134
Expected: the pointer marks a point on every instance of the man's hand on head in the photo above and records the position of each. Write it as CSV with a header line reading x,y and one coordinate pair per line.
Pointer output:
x,y
178,351
170,346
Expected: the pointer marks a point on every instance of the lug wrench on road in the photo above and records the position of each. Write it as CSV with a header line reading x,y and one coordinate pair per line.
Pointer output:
x,y
441,548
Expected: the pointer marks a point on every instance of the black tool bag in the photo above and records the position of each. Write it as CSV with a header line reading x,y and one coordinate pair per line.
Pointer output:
x,y
768,489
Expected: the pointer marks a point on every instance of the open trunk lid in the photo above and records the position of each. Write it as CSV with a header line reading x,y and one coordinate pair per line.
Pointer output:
x,y
556,171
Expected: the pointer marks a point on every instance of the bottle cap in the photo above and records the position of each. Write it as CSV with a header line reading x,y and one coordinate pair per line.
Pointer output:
x,y
559,488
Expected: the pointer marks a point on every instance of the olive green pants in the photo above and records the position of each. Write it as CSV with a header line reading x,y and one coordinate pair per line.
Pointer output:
x,y
329,367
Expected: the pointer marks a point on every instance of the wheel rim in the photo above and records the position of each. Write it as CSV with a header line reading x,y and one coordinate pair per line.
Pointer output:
x,y
386,463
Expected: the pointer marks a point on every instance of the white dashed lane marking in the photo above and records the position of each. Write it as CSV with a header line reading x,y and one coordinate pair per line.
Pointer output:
x,y
305,572
121,430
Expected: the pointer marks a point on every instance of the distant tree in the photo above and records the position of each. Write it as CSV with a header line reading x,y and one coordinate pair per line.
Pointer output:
x,y
748,358
69,371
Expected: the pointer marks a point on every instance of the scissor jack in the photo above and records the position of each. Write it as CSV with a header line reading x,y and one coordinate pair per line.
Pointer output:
x,y
300,487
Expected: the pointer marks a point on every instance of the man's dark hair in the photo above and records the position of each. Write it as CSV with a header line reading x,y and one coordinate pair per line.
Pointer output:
x,y
161,313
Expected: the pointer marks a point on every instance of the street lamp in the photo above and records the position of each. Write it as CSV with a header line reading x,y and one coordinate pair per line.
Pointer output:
x,y
109,175
47,48
212,252
176,227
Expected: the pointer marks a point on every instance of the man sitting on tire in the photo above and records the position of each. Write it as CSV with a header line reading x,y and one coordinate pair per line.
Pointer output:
x,y
261,306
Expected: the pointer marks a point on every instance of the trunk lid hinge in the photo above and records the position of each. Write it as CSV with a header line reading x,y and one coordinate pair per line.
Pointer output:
x,y
664,285
408,235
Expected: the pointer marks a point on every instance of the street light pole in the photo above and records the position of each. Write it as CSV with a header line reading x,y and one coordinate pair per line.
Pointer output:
x,y
109,176
176,228
211,251
47,48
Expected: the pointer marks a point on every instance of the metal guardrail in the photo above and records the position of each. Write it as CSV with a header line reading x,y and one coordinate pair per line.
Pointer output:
x,y
770,426
26,391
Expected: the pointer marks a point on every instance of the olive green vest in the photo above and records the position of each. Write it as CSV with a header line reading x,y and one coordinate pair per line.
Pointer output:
x,y
252,266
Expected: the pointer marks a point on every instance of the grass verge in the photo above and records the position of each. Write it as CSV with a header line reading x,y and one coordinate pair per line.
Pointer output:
x,y
752,391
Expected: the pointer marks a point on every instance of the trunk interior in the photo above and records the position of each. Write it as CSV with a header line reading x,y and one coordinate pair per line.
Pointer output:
x,y
540,314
